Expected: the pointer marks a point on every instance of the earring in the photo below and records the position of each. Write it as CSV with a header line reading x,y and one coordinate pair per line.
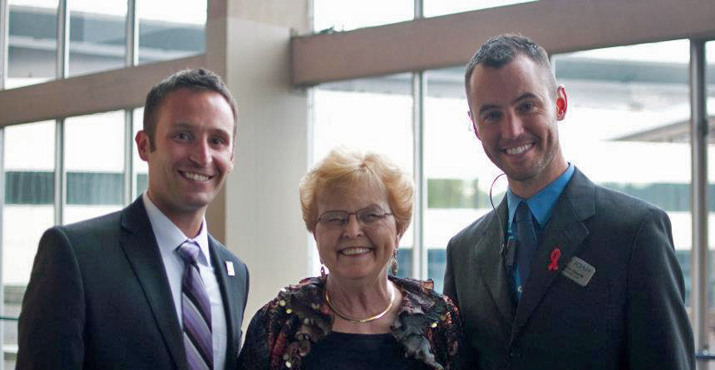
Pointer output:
x,y
394,264
322,272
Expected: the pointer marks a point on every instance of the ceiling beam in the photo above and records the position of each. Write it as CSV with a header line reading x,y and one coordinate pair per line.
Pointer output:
x,y
558,25
124,88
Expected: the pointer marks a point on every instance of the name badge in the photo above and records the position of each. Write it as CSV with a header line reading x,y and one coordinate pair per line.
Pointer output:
x,y
229,268
579,271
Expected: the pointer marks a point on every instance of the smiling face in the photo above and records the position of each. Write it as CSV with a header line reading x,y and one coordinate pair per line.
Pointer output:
x,y
514,110
356,251
193,152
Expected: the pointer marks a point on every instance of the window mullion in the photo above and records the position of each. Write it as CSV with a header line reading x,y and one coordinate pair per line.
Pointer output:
x,y
60,174
699,200
4,29
419,250
129,188
63,39
132,35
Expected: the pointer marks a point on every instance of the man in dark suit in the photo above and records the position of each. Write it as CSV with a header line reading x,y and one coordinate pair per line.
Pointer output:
x,y
563,274
119,291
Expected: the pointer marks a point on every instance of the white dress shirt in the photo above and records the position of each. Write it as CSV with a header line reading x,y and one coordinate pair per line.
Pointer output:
x,y
169,238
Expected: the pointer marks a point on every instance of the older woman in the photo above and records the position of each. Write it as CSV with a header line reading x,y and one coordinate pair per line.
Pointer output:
x,y
357,206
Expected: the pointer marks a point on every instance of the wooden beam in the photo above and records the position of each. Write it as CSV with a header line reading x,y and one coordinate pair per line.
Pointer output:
x,y
558,25
101,92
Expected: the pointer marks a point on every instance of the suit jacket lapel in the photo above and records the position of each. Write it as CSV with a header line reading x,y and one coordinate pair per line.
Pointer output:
x,y
139,244
491,264
565,232
229,294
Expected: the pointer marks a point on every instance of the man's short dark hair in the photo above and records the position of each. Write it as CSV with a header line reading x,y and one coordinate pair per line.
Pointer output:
x,y
193,79
503,49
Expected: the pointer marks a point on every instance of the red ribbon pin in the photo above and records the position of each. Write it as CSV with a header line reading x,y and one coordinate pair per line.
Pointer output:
x,y
555,255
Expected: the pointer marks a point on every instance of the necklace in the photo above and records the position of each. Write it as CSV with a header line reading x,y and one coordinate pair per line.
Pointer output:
x,y
362,321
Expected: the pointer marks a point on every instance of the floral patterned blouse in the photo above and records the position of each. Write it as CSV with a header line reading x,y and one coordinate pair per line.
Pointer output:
x,y
282,332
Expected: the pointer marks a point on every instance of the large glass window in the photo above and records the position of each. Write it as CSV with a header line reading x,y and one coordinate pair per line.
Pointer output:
x,y
331,15
28,211
458,172
97,35
171,29
29,195
442,7
627,126
32,42
368,114
167,30
94,165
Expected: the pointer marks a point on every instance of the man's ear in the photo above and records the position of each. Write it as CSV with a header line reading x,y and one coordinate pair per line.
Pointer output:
x,y
561,103
474,124
143,146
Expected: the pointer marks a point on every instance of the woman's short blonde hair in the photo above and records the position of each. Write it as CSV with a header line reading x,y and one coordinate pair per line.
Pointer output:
x,y
344,168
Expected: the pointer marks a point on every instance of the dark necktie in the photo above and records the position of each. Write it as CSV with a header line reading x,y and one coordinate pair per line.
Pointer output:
x,y
195,311
528,242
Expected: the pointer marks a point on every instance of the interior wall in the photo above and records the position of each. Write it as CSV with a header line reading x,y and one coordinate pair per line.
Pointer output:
x,y
263,219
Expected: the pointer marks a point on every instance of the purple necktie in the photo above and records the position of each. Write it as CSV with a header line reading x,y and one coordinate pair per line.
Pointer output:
x,y
195,311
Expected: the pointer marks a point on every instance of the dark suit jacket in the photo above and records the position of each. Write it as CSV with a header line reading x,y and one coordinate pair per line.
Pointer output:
x,y
629,316
99,298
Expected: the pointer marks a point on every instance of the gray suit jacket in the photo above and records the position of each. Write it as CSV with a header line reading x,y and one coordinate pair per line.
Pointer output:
x,y
99,298
629,316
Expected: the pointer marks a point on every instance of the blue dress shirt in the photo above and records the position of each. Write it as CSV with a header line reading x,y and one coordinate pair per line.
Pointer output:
x,y
541,205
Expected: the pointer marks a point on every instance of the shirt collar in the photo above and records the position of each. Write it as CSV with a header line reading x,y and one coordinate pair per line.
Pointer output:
x,y
542,202
170,237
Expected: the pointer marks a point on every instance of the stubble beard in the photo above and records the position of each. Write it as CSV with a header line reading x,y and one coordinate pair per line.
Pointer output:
x,y
533,171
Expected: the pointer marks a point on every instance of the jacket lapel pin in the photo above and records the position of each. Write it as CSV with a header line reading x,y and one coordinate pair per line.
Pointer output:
x,y
555,255
229,268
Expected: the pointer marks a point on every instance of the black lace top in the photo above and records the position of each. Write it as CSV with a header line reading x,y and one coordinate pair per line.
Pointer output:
x,y
348,351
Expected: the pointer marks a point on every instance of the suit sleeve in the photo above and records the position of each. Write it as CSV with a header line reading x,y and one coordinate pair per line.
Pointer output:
x,y
658,330
449,287
248,285
51,325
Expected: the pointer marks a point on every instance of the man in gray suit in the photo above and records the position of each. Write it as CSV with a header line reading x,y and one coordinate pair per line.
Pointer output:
x,y
563,274
119,291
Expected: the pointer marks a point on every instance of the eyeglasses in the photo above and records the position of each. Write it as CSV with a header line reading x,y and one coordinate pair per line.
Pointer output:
x,y
365,216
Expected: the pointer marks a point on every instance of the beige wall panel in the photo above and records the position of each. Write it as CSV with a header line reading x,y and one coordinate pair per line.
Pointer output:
x,y
263,220
289,14
216,61
216,37
284,14
558,25
101,92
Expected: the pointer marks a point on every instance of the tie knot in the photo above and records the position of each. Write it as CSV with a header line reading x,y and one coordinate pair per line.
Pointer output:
x,y
523,213
189,251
